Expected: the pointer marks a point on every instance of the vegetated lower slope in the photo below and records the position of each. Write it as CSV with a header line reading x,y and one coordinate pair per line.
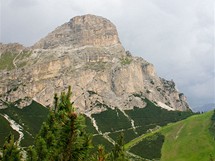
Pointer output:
x,y
192,139
30,118
12,59
5,129
114,121
189,140
150,147
110,123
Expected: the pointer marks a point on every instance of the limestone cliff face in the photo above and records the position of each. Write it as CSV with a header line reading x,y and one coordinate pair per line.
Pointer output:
x,y
86,54
81,31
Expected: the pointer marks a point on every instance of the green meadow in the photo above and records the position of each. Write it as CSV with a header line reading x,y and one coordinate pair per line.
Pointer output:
x,y
186,140
189,140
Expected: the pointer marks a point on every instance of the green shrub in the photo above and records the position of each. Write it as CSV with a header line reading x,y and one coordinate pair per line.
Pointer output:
x,y
112,120
153,115
99,139
6,61
126,60
128,135
150,147
6,129
30,118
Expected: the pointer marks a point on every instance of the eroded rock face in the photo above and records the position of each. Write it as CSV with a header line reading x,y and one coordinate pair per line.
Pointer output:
x,y
12,47
86,54
81,31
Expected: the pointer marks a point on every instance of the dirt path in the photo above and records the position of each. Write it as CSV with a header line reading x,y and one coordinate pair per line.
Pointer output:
x,y
179,131
14,60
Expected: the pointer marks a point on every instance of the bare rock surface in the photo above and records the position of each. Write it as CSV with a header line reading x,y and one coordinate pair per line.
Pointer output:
x,y
81,31
86,54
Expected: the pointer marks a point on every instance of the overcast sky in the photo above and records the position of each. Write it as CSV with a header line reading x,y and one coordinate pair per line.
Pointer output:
x,y
177,36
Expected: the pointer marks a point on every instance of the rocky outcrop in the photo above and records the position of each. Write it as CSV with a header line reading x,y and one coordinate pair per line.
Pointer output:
x,y
12,47
81,31
86,54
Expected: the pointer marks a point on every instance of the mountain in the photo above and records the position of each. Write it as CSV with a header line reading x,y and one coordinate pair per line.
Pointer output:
x,y
115,91
204,108
86,54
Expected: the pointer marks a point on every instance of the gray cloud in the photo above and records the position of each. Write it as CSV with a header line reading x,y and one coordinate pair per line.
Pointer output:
x,y
176,36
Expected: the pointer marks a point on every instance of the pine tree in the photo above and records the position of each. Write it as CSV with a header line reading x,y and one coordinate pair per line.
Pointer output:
x,y
119,153
100,155
11,151
32,155
63,136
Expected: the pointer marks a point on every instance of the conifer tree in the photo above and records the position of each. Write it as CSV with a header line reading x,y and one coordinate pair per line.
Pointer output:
x,y
63,136
100,155
32,156
11,151
119,153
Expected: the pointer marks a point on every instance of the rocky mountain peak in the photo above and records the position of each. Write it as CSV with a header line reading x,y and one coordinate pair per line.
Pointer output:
x,y
86,30
86,54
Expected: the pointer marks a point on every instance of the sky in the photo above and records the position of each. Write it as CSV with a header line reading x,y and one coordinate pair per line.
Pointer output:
x,y
176,36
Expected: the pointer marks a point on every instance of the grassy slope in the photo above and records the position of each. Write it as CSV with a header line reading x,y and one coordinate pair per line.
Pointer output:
x,y
186,140
6,60
189,140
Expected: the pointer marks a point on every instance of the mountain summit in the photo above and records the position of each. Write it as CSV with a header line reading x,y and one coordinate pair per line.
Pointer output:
x,y
81,31
86,54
